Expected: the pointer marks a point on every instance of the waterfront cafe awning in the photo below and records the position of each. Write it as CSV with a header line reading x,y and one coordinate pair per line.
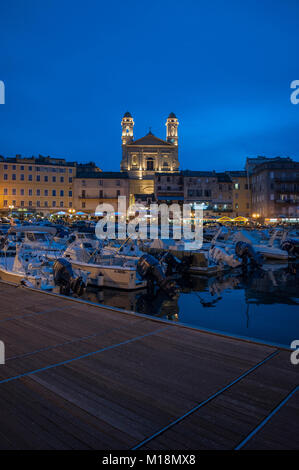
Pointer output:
x,y
224,219
59,213
81,213
240,219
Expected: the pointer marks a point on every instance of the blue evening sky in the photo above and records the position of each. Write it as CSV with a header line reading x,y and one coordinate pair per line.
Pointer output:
x,y
73,68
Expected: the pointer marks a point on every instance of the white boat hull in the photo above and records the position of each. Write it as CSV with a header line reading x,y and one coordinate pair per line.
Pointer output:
x,y
19,278
114,276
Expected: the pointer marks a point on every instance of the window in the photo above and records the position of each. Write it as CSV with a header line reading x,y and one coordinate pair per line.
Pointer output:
x,y
5,203
100,182
53,179
29,177
70,204
70,180
70,193
46,203
37,177
22,177
5,176
14,177
117,193
101,193
46,192
70,170
150,164
237,186
5,168
117,183
61,193
37,168
38,192
30,192
54,192
45,179
5,191
30,168
14,192
37,203
13,202
14,167
61,179
83,193
53,203
61,203
30,203
22,192
237,205
83,205
22,168
22,203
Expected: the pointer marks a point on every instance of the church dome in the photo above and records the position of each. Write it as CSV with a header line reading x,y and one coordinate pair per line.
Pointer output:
x,y
127,114
172,115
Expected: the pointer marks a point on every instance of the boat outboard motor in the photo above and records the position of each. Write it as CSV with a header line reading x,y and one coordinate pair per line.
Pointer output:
x,y
71,239
247,253
2,242
291,246
174,264
149,268
64,277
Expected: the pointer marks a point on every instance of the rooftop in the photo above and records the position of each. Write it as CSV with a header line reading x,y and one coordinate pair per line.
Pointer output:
x,y
40,160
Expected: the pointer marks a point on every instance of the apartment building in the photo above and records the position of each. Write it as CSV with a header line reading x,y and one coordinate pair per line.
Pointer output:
x,y
275,188
241,193
41,185
213,190
169,188
92,188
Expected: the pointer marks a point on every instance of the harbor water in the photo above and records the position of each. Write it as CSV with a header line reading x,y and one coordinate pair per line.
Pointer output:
x,y
261,305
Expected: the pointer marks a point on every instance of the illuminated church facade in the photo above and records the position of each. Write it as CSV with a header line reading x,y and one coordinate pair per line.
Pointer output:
x,y
144,157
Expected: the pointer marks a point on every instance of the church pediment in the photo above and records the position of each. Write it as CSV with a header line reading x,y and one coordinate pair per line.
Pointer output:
x,y
149,139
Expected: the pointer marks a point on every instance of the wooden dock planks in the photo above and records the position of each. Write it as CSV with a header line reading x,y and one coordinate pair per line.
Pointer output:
x,y
79,376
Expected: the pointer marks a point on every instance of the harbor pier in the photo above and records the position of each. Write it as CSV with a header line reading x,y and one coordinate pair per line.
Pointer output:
x,y
84,376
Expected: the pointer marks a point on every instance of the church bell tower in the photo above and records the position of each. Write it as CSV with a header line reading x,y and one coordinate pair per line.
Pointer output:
x,y
127,125
172,124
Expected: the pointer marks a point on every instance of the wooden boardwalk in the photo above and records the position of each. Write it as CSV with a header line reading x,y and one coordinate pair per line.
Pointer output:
x,y
79,376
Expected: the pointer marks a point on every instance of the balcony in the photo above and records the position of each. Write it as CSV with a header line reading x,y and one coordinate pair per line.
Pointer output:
x,y
99,198
287,201
291,178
